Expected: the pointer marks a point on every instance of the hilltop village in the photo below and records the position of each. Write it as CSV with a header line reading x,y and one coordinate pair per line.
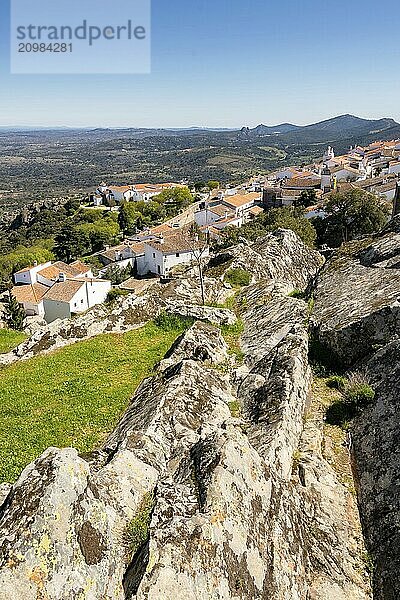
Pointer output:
x,y
54,290
200,388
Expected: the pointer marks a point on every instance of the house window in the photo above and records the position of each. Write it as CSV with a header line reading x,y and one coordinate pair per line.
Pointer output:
x,y
159,269
154,254
75,305
177,255
82,301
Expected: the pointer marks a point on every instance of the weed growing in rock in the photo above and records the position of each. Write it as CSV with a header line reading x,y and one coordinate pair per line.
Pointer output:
x,y
297,294
356,393
238,277
235,408
231,334
170,322
115,293
137,530
336,382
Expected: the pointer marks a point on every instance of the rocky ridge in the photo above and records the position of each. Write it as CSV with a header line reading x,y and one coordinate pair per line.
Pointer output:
x,y
357,318
226,456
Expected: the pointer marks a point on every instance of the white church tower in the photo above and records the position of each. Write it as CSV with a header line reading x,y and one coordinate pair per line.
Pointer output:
x,y
329,155
326,179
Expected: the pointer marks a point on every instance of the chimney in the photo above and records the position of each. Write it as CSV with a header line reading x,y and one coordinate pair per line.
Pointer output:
x,y
161,239
62,277
35,263
106,248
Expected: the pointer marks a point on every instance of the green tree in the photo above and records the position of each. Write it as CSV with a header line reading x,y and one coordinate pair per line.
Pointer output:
x,y
71,243
175,199
116,275
14,314
307,198
22,257
350,214
152,212
103,232
89,215
72,206
213,185
277,218
130,219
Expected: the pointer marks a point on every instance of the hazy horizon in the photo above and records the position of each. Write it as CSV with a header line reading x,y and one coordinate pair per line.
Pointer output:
x,y
180,127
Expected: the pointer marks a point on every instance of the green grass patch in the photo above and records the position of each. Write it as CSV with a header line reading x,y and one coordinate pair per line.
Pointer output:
x,y
115,293
137,531
235,408
9,339
74,396
355,395
238,277
231,334
170,322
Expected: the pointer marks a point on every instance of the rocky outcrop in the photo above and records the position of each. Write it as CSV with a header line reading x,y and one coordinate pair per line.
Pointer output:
x,y
376,450
357,298
123,315
280,258
357,317
213,484
217,316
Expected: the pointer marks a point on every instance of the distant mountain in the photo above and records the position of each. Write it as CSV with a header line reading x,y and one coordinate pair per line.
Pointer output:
x,y
275,129
261,130
338,128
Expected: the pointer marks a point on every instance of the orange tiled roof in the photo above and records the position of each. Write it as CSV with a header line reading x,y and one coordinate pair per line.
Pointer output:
x,y
64,291
72,270
241,199
29,293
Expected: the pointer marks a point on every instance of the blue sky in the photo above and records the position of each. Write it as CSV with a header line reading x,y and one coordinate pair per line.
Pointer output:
x,y
228,63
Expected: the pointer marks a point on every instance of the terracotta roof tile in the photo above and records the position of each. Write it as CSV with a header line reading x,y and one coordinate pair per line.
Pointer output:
x,y
64,291
29,293
73,270
241,199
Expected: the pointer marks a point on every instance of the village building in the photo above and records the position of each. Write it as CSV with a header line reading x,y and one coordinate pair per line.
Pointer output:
x,y
163,254
229,210
71,296
47,273
30,297
45,289
129,254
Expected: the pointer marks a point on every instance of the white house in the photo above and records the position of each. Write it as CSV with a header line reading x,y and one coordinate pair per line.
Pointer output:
x,y
122,192
71,296
165,253
240,204
30,296
29,274
47,273
343,173
39,289
387,190
50,274
211,214
122,256
394,167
